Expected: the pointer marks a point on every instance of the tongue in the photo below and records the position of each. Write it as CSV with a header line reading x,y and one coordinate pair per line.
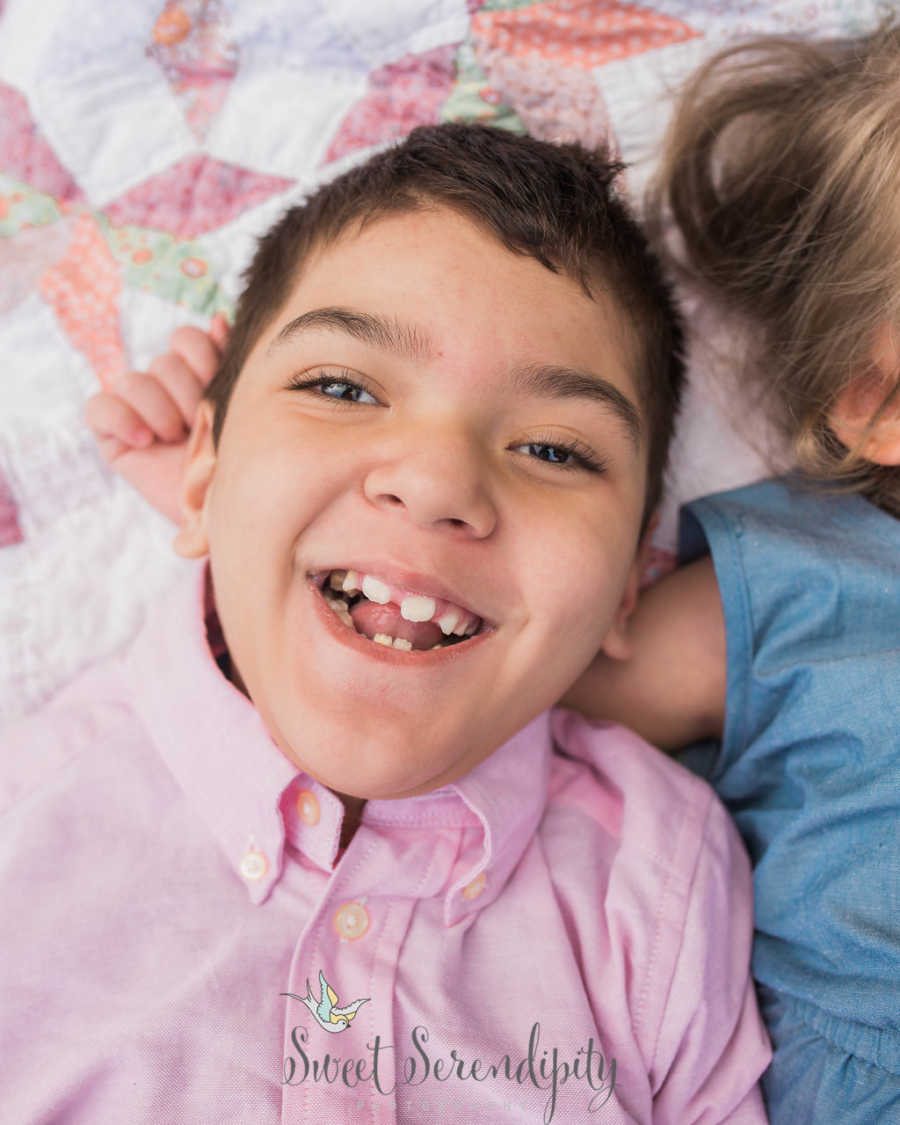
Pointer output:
x,y
370,618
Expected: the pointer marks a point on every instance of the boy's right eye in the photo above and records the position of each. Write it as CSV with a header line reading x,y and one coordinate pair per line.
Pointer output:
x,y
340,389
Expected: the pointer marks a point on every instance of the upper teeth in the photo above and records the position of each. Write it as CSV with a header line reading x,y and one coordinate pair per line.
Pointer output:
x,y
453,620
376,590
448,622
416,607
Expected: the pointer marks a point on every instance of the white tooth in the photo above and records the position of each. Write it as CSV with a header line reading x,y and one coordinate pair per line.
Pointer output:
x,y
383,639
416,607
376,590
402,643
448,622
470,628
339,604
440,644
346,618
351,582
460,628
336,579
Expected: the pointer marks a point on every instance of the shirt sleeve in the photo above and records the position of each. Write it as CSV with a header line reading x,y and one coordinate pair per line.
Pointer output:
x,y
711,1049
714,526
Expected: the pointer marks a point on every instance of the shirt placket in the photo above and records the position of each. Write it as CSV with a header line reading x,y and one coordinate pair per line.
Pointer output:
x,y
341,1061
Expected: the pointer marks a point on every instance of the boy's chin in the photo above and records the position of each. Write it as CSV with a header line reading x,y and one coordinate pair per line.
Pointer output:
x,y
373,770
388,781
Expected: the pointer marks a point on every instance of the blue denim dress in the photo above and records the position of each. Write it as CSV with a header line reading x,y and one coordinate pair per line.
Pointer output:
x,y
809,767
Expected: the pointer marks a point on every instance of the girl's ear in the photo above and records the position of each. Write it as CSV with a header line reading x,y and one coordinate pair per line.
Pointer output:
x,y
857,404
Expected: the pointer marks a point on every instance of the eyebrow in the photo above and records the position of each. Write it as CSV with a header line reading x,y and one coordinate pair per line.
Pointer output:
x,y
385,333
552,381
549,381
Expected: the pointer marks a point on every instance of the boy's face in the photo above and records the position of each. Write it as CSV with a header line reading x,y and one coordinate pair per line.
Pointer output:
x,y
432,456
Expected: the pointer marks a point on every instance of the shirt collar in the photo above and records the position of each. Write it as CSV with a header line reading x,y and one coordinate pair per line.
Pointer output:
x,y
508,794
250,795
210,735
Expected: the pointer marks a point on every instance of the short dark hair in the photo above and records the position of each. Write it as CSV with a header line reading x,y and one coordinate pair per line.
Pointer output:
x,y
554,203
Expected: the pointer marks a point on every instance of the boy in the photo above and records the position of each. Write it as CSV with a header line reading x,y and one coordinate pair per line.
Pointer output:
x,y
420,477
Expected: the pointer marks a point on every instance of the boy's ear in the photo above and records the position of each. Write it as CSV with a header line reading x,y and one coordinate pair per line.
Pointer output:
x,y
617,642
857,404
192,542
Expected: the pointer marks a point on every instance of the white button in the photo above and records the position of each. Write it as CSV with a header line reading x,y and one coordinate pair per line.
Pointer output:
x,y
254,865
351,921
308,807
474,889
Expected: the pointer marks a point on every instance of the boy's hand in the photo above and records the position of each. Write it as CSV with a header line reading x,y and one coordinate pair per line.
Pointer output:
x,y
142,426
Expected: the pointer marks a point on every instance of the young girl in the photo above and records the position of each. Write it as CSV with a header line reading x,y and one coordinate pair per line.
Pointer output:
x,y
782,641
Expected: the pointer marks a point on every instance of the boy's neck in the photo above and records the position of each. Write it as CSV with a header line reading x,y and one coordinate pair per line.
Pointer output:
x,y
353,809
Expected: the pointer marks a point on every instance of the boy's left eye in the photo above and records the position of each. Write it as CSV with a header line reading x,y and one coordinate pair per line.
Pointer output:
x,y
567,455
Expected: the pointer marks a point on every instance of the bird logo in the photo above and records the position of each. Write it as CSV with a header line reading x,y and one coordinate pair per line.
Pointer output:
x,y
326,1011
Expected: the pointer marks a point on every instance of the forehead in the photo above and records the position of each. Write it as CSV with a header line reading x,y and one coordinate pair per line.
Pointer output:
x,y
446,283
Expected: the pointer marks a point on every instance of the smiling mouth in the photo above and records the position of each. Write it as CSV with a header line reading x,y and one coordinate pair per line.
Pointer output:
x,y
395,618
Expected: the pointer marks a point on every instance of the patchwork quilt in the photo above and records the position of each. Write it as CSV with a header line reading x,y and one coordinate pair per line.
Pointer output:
x,y
144,146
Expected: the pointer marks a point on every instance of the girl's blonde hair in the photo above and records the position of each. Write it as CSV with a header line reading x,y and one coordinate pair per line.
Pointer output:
x,y
781,171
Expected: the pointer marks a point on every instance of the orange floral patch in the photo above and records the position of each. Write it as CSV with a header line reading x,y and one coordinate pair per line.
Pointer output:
x,y
193,267
83,290
172,26
577,33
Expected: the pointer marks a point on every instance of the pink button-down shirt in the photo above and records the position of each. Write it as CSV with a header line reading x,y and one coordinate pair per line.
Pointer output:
x,y
562,935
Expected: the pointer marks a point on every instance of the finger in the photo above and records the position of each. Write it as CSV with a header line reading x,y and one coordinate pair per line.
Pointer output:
x,y
112,449
181,382
220,329
198,349
156,474
150,399
115,424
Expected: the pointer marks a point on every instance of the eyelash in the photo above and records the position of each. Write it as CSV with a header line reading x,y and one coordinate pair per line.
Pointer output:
x,y
298,383
583,456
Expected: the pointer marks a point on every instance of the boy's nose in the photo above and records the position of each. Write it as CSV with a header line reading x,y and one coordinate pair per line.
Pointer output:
x,y
438,483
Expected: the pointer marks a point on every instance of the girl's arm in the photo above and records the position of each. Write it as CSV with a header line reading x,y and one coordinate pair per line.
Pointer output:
x,y
672,689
